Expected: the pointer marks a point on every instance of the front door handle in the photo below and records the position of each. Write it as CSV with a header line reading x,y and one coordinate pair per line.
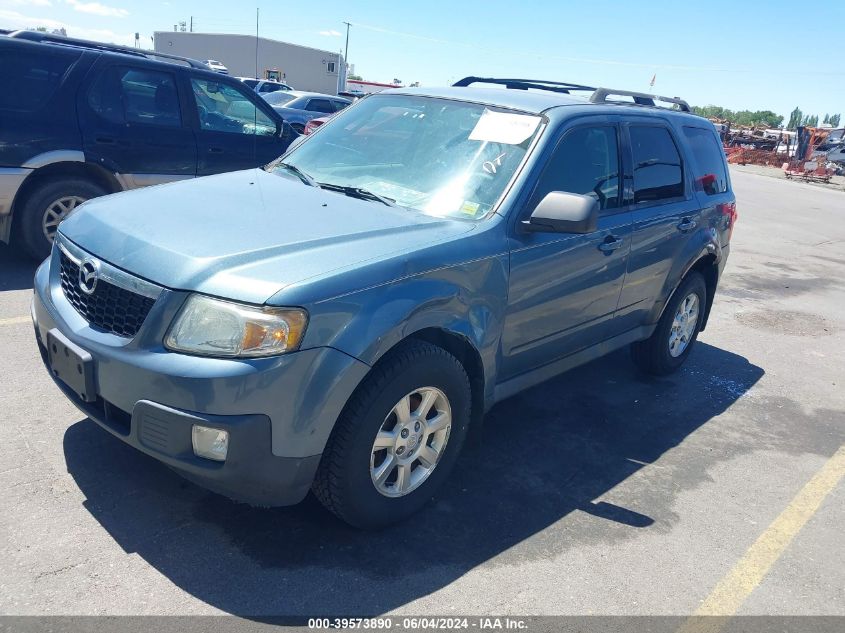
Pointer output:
x,y
610,244
104,140
687,224
215,150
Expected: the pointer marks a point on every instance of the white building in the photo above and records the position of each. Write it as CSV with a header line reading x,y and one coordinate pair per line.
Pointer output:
x,y
302,67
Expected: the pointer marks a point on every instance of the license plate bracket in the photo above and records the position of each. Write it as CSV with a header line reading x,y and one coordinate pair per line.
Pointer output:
x,y
72,365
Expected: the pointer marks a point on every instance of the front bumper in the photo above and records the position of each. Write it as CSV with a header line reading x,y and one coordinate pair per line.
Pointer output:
x,y
279,411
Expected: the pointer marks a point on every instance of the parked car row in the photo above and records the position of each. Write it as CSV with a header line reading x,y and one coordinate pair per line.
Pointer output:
x,y
87,119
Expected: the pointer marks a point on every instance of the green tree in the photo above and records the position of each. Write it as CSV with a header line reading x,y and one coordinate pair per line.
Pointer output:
x,y
834,120
826,118
794,119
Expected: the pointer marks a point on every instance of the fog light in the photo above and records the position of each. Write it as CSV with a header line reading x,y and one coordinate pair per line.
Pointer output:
x,y
210,443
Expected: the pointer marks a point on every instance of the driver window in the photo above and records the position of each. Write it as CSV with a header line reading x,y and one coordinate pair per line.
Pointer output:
x,y
223,108
586,161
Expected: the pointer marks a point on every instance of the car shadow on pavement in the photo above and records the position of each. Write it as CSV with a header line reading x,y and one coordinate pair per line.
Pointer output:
x,y
548,454
16,269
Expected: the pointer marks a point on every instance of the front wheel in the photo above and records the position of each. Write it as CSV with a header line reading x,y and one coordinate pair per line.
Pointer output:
x,y
397,439
49,204
676,332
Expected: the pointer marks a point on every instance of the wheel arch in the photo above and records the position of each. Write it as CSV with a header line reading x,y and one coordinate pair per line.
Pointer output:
x,y
62,169
707,264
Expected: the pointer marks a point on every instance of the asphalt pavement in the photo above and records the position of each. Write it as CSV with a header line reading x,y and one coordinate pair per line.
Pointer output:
x,y
598,492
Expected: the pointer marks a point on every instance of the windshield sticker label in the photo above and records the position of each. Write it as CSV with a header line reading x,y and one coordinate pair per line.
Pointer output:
x,y
469,208
504,127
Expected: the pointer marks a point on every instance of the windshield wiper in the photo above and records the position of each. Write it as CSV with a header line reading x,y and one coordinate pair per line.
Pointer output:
x,y
296,171
357,192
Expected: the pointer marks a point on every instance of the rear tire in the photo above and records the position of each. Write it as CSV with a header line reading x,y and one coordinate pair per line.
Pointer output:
x,y
353,480
40,213
670,344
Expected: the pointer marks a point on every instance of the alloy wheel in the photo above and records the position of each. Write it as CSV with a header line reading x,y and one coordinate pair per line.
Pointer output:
x,y
410,442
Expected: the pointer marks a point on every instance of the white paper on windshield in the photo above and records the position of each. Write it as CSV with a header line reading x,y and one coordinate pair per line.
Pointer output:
x,y
504,127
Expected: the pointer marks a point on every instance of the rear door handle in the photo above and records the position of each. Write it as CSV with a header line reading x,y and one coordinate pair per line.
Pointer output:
x,y
610,244
215,150
687,224
104,140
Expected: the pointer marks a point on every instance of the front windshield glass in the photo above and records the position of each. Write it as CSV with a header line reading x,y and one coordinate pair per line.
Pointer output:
x,y
438,156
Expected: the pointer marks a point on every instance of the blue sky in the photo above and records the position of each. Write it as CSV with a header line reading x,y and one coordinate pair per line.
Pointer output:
x,y
741,54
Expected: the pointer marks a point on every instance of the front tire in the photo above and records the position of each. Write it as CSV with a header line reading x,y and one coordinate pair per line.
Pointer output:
x,y
43,210
670,344
397,439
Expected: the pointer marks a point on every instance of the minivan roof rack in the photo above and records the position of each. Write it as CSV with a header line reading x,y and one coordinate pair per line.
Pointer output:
x,y
523,84
599,95
640,98
38,36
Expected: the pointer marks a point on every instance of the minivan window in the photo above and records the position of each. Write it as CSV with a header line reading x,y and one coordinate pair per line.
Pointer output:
x,y
223,108
29,77
658,171
136,95
586,162
710,174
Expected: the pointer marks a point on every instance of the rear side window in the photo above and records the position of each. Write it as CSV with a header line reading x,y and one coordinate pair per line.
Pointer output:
x,y
587,162
658,172
321,105
135,95
30,77
710,175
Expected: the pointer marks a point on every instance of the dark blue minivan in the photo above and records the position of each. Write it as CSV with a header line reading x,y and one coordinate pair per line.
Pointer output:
x,y
82,119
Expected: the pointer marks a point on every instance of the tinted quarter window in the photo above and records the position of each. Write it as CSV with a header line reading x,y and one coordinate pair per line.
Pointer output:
x,y
658,172
134,95
321,105
223,108
587,162
710,176
29,78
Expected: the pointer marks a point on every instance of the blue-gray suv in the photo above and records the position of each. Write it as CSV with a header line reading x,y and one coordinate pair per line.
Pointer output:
x,y
340,319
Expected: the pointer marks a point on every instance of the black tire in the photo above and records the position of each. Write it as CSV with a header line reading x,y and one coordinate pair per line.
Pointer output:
x,y
30,216
343,482
652,355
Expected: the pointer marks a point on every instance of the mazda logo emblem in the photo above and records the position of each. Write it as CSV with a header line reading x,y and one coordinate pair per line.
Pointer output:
x,y
89,272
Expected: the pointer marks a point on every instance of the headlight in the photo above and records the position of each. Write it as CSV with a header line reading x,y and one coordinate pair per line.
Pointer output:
x,y
212,327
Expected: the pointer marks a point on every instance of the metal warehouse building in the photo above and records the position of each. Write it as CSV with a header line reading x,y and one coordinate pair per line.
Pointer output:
x,y
302,67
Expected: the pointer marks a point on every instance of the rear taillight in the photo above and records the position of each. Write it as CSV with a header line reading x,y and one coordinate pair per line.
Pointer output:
x,y
728,210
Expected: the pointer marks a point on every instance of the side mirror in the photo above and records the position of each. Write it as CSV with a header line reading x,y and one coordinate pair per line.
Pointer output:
x,y
562,212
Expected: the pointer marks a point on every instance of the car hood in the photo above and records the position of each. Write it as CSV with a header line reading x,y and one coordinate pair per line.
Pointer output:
x,y
246,235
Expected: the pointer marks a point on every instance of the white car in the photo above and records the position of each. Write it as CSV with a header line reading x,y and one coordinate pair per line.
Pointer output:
x,y
216,66
265,86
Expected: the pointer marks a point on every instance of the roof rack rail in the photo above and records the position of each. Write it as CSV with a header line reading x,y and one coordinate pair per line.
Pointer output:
x,y
38,36
523,84
640,98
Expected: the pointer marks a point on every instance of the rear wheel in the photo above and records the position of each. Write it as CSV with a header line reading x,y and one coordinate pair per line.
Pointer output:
x,y
676,333
398,438
42,211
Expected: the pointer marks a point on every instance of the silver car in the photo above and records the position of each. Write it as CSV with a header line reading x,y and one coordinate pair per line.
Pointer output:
x,y
297,108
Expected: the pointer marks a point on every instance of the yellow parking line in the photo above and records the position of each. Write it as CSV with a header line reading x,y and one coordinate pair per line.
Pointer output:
x,y
746,575
15,320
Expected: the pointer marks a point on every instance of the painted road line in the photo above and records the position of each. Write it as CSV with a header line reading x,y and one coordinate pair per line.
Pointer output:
x,y
16,320
749,571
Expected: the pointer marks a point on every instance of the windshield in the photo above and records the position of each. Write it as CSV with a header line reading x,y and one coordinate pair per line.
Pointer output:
x,y
438,156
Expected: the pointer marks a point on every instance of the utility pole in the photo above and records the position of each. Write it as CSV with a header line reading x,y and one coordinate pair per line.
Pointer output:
x,y
256,42
192,24
346,50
